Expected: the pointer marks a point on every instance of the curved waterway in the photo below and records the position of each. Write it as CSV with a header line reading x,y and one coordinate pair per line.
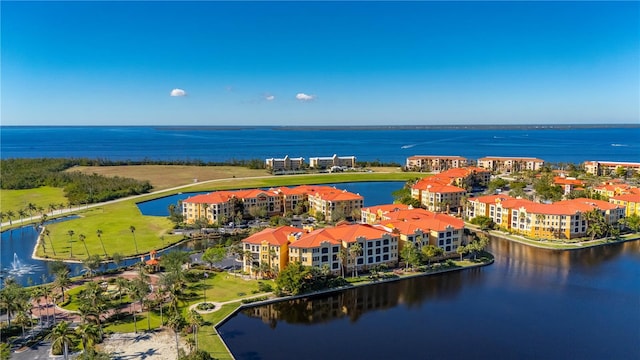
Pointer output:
x,y
530,304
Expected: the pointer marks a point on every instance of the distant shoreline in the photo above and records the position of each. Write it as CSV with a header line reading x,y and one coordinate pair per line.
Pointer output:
x,y
351,127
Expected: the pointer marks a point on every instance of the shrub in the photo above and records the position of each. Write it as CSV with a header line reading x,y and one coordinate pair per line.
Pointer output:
x,y
264,287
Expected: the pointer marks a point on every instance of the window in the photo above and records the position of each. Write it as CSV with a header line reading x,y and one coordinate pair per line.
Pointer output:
x,y
448,248
385,242
325,250
385,249
335,249
448,233
334,266
377,258
441,235
325,258
360,261
378,243
370,260
316,258
385,257
369,252
378,251
441,242
448,241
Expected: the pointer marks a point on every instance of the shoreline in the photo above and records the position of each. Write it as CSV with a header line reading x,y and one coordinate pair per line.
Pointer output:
x,y
336,290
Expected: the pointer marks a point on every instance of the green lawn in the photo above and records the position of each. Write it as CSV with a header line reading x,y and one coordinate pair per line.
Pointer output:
x,y
208,338
114,220
15,200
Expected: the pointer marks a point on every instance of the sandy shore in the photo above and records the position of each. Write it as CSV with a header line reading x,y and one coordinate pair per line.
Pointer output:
x,y
160,345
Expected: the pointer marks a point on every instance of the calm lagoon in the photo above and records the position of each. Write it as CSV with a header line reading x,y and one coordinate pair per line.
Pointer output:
x,y
530,304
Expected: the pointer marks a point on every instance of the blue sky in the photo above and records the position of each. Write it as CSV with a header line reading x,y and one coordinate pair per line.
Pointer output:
x,y
319,63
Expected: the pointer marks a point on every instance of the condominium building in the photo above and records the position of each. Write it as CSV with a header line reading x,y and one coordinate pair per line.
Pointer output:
x,y
285,163
322,247
608,167
373,214
436,196
561,220
331,161
268,250
221,206
441,230
568,184
434,163
334,203
510,164
630,202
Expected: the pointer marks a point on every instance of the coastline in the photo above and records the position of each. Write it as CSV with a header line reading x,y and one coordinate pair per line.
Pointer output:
x,y
336,290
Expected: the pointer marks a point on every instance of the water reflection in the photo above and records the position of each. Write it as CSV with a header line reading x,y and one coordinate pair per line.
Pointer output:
x,y
354,303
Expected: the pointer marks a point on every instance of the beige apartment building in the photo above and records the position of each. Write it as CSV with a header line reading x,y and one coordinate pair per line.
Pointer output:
x,y
510,164
608,167
331,161
285,163
435,163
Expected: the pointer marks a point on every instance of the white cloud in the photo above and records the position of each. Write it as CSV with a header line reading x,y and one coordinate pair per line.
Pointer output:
x,y
305,97
178,92
269,97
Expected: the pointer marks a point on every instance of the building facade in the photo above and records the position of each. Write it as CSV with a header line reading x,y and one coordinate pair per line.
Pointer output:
x,y
510,164
608,167
434,163
285,164
565,219
331,161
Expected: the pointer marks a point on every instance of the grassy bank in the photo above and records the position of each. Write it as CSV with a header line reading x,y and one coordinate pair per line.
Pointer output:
x,y
16,200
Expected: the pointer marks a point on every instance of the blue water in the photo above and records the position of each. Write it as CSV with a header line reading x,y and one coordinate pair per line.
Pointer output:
x,y
388,145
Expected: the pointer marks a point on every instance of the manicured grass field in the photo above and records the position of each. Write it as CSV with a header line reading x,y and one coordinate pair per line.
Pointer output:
x,y
168,176
15,200
114,220
208,338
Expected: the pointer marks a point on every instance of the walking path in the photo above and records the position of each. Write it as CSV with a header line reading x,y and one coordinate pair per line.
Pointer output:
x,y
218,305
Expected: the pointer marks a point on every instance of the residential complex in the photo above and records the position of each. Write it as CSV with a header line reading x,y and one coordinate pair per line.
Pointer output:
x,y
445,191
285,163
330,247
608,167
331,161
568,184
561,220
221,206
510,164
434,163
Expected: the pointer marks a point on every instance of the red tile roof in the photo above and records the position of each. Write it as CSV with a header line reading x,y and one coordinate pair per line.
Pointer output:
x,y
335,235
273,236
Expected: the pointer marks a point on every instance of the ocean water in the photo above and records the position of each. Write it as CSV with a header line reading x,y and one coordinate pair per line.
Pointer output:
x,y
385,144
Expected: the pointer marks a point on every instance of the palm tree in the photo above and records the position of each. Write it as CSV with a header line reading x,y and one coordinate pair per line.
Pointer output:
x,y
175,323
133,233
61,336
53,207
195,321
99,233
47,233
343,255
62,281
70,233
122,284
82,238
89,335
9,215
22,214
354,252
31,207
